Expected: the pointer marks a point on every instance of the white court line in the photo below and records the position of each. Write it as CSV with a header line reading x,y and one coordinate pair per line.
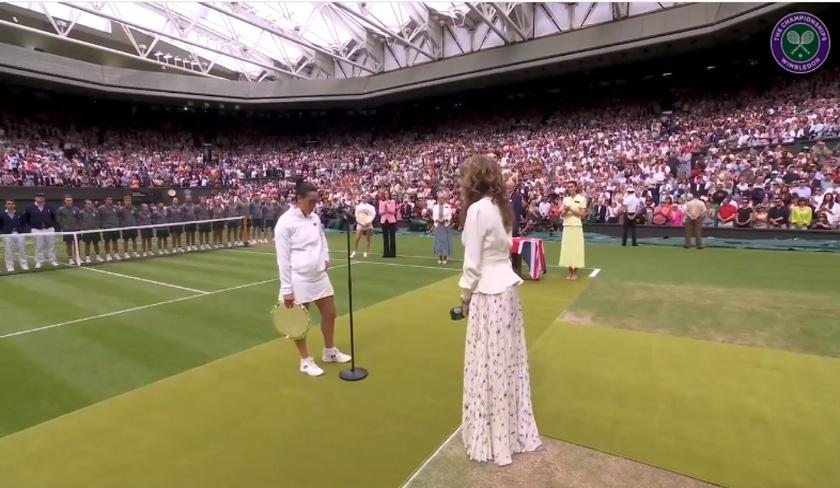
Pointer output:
x,y
142,307
594,273
429,459
380,263
160,283
133,309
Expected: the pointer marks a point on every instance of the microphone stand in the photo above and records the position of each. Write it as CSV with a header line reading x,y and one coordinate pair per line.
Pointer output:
x,y
353,373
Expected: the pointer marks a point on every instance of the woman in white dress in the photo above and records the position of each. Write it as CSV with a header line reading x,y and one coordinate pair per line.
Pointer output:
x,y
365,213
303,259
498,419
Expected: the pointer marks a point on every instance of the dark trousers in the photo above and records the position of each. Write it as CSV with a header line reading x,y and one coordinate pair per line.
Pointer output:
x,y
629,226
694,228
389,240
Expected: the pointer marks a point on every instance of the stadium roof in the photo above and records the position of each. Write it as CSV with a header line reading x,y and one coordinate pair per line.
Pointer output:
x,y
264,41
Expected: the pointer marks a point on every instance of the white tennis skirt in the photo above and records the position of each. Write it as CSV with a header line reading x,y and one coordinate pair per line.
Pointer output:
x,y
311,288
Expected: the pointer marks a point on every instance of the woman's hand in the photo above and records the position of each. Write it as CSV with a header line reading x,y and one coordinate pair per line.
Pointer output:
x,y
289,300
465,308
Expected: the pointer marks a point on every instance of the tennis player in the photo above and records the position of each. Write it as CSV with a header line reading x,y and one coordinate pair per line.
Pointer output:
x,y
303,259
365,213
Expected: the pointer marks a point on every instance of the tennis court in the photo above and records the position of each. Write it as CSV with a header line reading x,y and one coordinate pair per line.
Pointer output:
x,y
720,365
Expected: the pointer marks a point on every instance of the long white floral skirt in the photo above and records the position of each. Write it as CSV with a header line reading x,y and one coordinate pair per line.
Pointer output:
x,y
498,419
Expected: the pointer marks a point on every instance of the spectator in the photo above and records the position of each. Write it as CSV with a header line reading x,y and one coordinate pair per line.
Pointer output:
x,y
801,215
726,213
744,216
778,215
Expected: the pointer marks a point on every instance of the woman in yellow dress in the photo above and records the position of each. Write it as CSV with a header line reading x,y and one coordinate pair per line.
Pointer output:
x,y
573,211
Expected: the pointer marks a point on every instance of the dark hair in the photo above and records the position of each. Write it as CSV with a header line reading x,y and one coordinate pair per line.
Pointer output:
x,y
303,188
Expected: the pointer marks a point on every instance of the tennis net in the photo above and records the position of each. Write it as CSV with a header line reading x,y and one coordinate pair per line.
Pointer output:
x,y
37,249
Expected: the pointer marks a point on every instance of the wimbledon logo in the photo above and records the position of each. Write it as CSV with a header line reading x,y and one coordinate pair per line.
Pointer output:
x,y
800,42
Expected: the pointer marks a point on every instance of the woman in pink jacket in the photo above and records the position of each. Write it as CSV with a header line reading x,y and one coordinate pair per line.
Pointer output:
x,y
388,220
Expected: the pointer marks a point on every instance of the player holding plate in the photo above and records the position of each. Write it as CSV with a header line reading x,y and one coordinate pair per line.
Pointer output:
x,y
303,259
365,213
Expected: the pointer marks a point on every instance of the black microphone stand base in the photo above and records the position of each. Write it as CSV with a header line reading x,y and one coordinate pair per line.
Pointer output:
x,y
353,374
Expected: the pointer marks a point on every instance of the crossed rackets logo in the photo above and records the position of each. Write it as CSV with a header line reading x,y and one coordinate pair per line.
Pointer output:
x,y
800,42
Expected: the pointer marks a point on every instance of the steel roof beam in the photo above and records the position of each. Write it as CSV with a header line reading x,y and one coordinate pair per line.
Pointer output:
x,y
487,21
179,39
106,49
508,21
267,26
383,28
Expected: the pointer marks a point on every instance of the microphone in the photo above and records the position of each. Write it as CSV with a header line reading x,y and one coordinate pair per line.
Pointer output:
x,y
457,313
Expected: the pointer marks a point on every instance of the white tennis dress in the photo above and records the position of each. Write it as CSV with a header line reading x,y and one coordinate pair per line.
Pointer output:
x,y
302,256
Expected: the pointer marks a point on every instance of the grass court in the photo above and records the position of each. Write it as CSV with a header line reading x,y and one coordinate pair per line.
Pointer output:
x,y
721,365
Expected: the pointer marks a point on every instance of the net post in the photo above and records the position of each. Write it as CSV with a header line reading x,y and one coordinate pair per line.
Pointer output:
x,y
77,255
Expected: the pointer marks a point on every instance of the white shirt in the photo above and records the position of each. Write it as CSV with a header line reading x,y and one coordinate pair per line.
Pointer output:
x,y
631,203
447,213
487,244
301,248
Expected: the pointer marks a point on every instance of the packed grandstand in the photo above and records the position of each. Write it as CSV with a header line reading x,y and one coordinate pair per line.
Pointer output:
x,y
752,154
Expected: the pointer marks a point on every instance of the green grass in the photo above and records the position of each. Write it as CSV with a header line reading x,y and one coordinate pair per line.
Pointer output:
x,y
197,392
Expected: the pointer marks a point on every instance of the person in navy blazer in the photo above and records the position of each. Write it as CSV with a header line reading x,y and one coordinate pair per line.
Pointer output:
x,y
40,219
12,227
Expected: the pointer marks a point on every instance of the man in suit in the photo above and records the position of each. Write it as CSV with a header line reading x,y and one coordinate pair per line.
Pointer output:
x,y
40,219
516,202
12,227
598,213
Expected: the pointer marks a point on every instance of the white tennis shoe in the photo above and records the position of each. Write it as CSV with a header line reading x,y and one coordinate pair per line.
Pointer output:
x,y
308,366
335,356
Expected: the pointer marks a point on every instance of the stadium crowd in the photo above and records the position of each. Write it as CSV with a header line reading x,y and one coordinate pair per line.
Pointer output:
x,y
732,149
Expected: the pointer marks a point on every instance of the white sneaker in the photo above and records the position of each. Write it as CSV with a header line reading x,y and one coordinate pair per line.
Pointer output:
x,y
108,258
87,260
308,366
135,255
352,254
117,256
98,259
127,256
37,265
365,254
10,270
160,252
55,264
24,267
71,262
335,356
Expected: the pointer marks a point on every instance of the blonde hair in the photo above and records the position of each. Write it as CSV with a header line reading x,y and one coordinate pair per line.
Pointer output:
x,y
481,177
